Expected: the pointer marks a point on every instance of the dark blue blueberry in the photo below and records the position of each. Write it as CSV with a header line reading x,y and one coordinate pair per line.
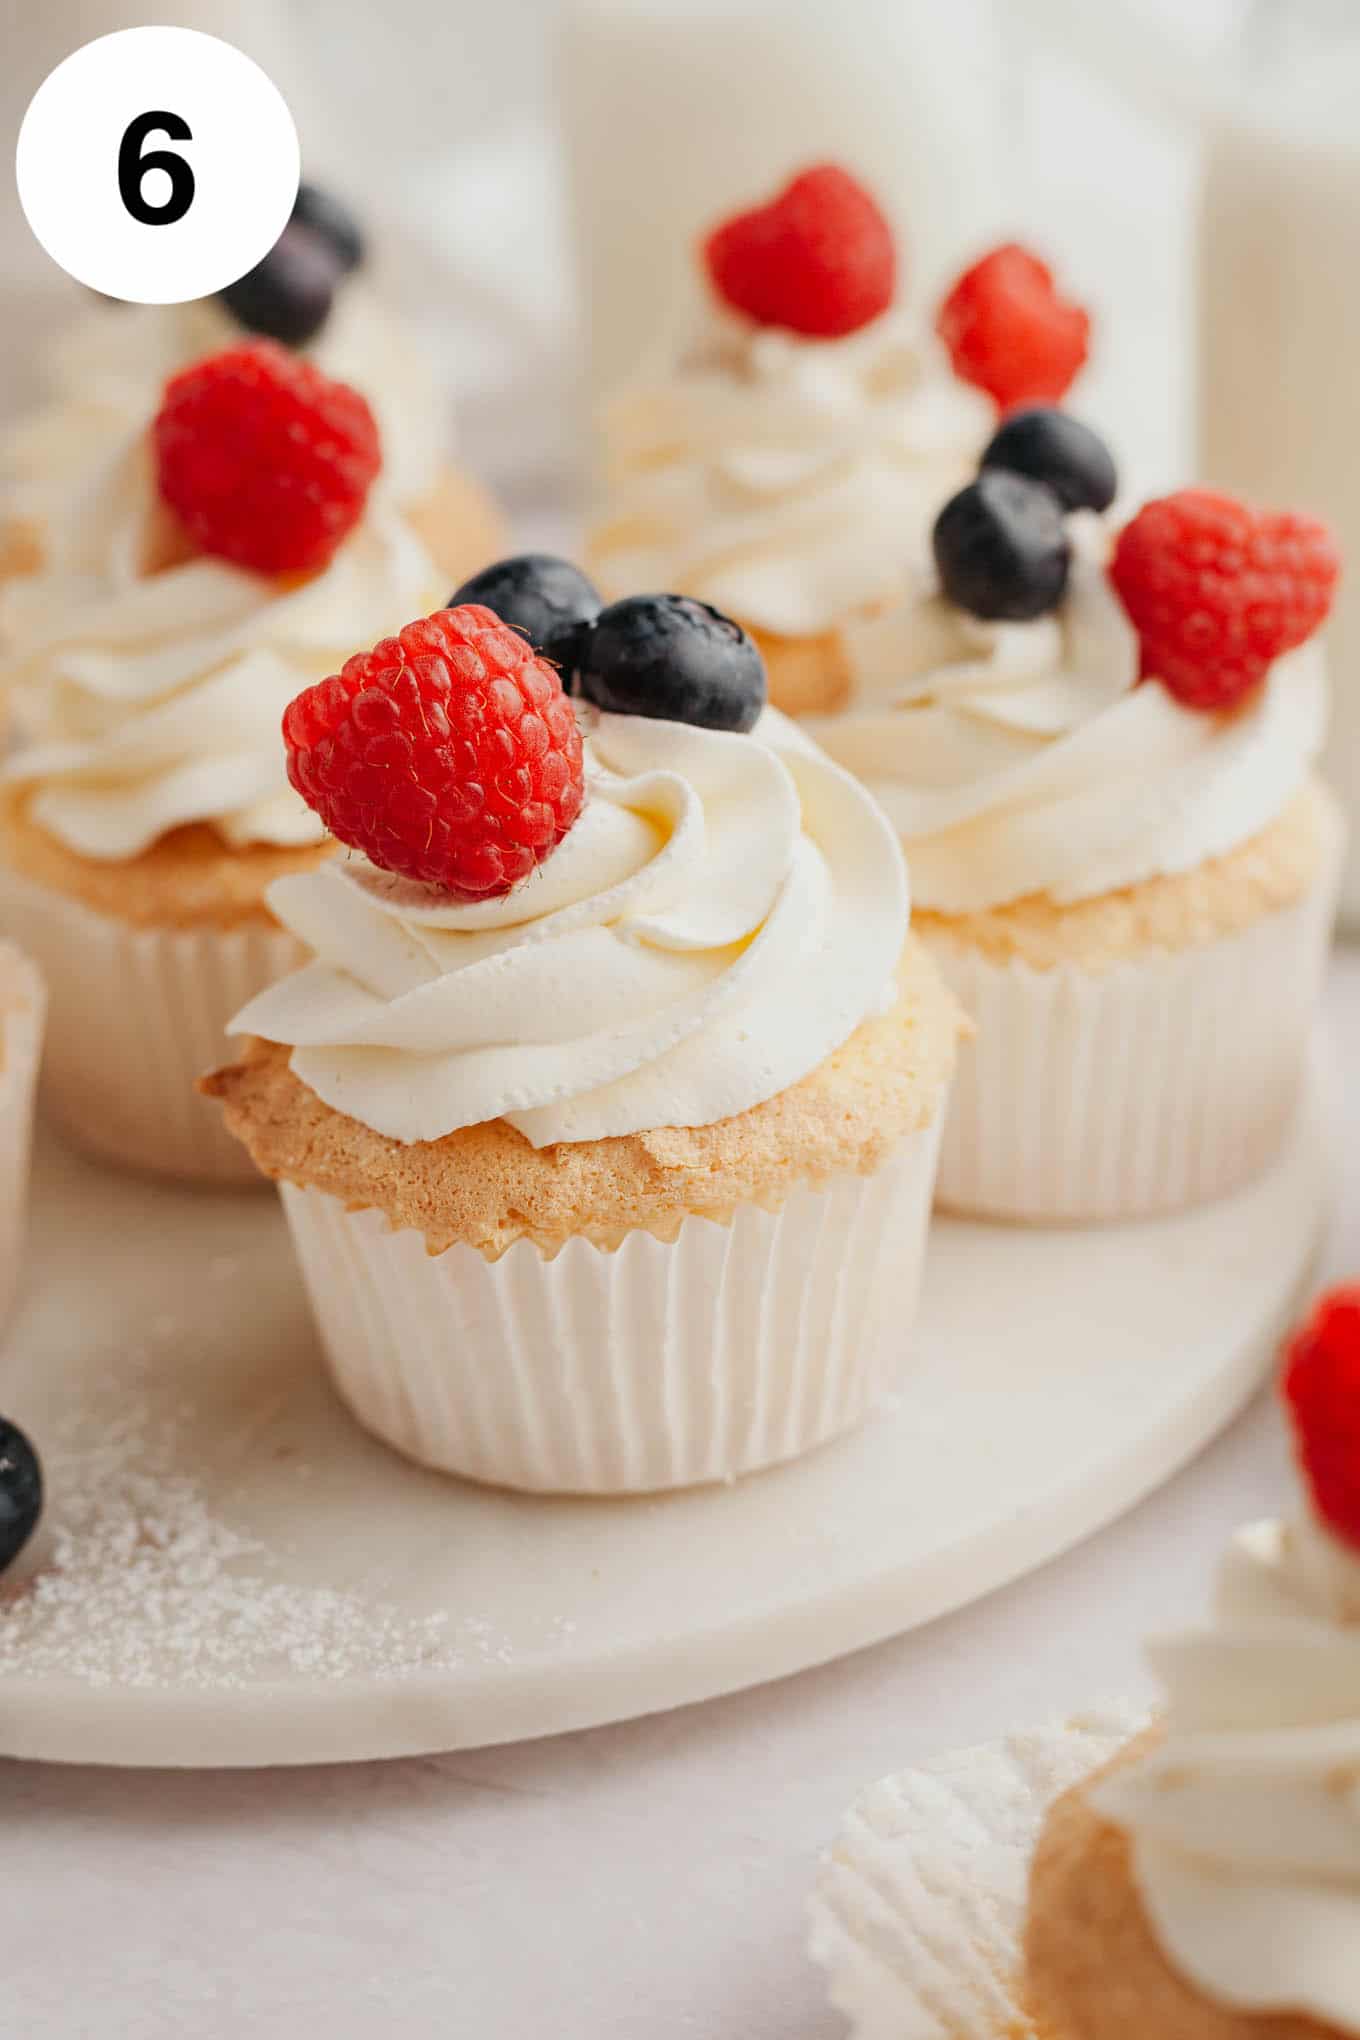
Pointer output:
x,y
547,600
1001,549
1049,446
21,1492
327,216
288,295
675,659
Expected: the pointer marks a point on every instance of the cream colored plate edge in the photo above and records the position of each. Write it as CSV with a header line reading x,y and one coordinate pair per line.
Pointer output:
x,y
232,1574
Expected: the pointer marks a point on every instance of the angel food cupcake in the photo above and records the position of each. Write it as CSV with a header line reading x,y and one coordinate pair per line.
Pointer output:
x,y
308,293
213,566
809,430
1207,1887
1122,861
607,1111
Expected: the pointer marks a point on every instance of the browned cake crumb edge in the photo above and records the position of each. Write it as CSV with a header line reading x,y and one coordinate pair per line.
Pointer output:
x,y
190,878
486,1186
1219,898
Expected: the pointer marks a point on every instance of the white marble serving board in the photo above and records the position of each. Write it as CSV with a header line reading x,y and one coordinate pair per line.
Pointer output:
x,y
231,1573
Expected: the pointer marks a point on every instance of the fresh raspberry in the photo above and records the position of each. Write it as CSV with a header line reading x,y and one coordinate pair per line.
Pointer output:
x,y
448,754
818,259
1321,1389
1008,331
1217,592
265,461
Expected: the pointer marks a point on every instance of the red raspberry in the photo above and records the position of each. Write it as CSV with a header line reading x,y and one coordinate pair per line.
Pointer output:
x,y
1217,592
265,461
448,754
1321,1390
818,259
1008,331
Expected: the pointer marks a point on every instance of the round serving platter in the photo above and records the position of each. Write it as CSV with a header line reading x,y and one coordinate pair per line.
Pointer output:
x,y
231,1573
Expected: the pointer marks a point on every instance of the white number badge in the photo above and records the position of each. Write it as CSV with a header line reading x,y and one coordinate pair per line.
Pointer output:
x,y
157,164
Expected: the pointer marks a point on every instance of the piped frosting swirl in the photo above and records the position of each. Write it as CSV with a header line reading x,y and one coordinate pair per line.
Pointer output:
x,y
1022,759
722,916
782,478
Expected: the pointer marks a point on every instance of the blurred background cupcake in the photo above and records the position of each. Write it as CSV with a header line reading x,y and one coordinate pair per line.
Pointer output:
x,y
786,455
223,552
104,376
1102,765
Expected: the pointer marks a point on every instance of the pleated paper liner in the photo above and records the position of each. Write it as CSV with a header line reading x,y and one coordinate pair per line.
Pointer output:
x,y
918,1912
135,1017
1137,1090
656,1364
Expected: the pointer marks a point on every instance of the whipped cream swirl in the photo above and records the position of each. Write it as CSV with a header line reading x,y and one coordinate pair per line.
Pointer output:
x,y
783,479
1245,1821
151,700
1022,758
724,914
108,370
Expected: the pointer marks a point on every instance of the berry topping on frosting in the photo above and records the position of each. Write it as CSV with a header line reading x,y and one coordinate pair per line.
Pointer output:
x,y
1009,332
331,220
1321,1389
288,296
264,460
1049,446
547,600
21,1492
1217,592
1000,547
290,292
448,754
818,259
674,659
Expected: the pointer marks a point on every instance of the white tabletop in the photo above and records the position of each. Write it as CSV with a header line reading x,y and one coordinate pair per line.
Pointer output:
x,y
646,1879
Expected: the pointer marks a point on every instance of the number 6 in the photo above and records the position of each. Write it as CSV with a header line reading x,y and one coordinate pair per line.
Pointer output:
x,y
133,166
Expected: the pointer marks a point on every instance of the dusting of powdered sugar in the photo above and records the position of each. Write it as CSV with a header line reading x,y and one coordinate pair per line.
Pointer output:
x,y
136,1581
918,1910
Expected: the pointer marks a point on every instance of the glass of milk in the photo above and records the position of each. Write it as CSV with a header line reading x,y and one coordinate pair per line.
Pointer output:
x,y
1279,273
677,112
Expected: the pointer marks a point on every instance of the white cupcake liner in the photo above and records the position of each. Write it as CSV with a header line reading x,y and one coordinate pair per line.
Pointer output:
x,y
23,1002
919,1909
1136,1090
135,1017
655,1365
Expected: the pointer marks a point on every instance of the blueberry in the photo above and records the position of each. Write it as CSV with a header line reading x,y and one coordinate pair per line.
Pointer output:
x,y
547,600
288,295
1001,549
1049,446
675,659
325,215
21,1492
